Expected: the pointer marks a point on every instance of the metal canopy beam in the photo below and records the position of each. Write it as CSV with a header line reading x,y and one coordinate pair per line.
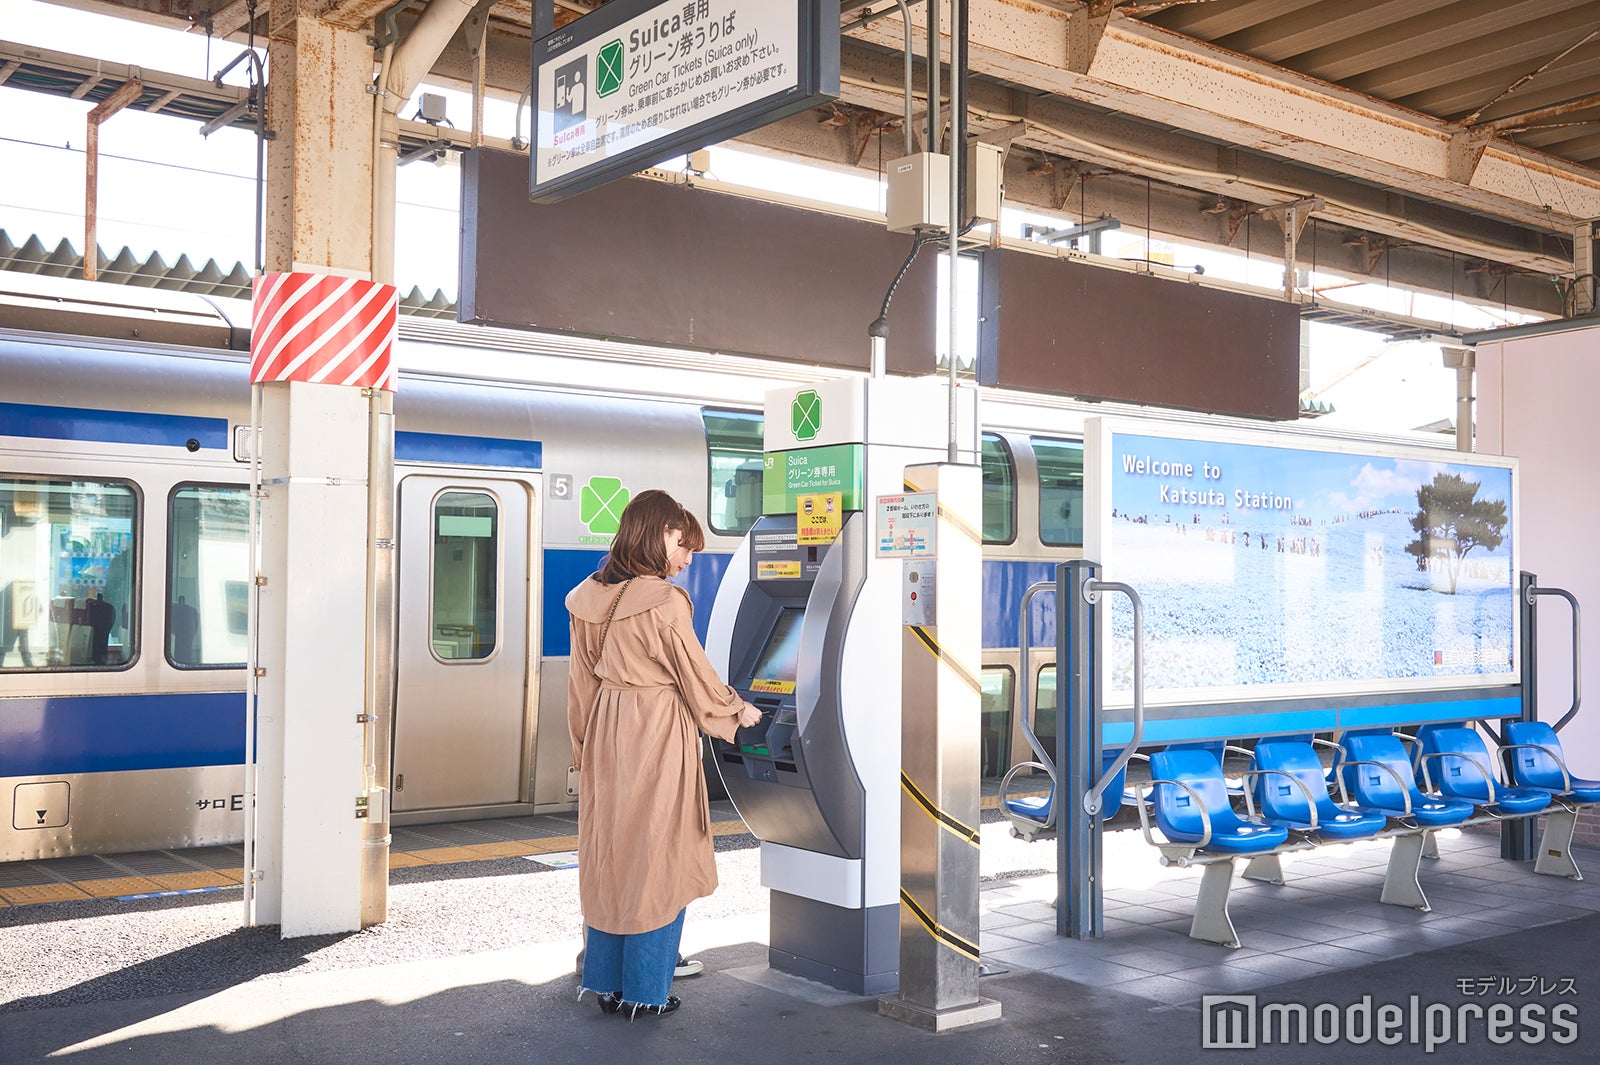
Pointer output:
x,y
1062,127
1402,238
1172,80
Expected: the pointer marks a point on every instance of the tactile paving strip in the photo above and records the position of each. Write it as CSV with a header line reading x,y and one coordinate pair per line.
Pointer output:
x,y
192,880
119,885
42,893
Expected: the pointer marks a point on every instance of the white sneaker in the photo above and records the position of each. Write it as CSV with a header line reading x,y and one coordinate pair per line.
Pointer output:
x,y
687,967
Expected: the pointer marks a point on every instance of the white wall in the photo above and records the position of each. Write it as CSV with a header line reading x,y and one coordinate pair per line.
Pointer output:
x,y
1536,400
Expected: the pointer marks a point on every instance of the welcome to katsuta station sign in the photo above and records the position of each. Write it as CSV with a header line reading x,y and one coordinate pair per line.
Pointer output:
x,y
638,81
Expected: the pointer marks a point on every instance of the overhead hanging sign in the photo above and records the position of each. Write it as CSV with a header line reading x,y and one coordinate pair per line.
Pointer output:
x,y
638,81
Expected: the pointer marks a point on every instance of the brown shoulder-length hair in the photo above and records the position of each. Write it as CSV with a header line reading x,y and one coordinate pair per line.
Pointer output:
x,y
637,550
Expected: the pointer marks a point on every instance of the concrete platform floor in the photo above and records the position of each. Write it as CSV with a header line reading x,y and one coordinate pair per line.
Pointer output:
x,y
475,965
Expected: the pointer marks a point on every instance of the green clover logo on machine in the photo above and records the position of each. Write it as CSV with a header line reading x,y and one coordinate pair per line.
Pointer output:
x,y
805,415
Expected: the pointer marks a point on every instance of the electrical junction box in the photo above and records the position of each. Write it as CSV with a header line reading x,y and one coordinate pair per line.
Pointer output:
x,y
430,108
986,171
919,193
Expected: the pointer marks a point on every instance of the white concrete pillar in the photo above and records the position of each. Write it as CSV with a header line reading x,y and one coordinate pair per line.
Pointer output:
x,y
313,527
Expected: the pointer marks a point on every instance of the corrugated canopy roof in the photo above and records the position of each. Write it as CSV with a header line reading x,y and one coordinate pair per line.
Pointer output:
x,y
152,271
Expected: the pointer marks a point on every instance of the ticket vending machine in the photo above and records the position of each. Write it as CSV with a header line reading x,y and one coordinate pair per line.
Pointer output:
x,y
807,627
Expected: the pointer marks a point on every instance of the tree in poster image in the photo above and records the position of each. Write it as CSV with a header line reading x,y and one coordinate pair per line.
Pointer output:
x,y
1453,521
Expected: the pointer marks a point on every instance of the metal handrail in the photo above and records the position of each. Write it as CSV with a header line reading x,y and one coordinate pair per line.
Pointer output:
x,y
1536,590
1025,683
1091,593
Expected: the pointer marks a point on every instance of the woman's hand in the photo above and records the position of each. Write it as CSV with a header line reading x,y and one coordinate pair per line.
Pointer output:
x,y
751,715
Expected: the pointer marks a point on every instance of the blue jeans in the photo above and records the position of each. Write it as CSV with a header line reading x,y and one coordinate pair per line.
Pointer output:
x,y
639,966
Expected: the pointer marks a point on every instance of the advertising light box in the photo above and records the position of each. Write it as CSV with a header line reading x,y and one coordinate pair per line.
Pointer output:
x,y
1303,567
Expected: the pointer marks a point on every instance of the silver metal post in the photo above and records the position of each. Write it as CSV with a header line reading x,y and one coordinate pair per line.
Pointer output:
x,y
1091,593
252,642
1577,650
940,800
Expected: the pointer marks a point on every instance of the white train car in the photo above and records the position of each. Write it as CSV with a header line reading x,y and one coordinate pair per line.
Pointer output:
x,y
123,524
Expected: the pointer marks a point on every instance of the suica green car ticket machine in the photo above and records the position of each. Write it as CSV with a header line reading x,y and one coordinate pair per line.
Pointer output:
x,y
807,625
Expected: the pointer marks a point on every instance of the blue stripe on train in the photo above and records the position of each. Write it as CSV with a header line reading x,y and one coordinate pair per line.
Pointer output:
x,y
468,450
110,426
105,733
1003,586
129,427
565,567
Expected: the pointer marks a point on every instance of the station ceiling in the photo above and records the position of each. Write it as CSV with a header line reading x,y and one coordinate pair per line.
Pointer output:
x,y
1450,146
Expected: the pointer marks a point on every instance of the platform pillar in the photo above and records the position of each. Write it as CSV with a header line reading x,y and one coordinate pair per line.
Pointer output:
x,y
940,799
322,359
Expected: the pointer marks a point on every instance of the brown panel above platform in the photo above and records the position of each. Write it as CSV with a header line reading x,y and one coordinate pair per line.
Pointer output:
x,y
1068,328
649,261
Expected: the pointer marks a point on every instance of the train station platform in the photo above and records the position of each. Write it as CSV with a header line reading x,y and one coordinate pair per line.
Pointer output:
x,y
475,965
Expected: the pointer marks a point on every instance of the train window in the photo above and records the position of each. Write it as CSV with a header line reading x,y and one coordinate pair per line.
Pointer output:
x,y
208,573
999,492
68,570
466,575
1044,709
995,724
1060,491
734,441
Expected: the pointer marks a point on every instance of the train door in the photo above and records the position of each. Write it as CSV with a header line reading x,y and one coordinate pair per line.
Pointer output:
x,y
463,732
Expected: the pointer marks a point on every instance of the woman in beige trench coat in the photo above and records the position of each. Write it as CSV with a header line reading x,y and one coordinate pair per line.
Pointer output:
x,y
640,687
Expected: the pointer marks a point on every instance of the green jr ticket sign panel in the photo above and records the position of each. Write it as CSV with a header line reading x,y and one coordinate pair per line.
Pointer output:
x,y
788,475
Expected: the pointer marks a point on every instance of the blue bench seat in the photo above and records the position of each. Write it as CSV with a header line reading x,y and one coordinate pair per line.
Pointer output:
x,y
1465,771
1538,762
1191,806
1290,786
1381,777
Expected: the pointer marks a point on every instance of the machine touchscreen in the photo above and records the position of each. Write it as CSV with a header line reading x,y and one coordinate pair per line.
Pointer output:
x,y
779,660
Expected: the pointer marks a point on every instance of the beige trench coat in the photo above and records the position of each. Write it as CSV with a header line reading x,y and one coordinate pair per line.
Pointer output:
x,y
644,826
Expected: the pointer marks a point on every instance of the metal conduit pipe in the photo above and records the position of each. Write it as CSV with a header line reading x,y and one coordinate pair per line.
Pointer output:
x,y
383,173
933,76
878,332
958,158
252,659
407,66
440,21
867,19
377,736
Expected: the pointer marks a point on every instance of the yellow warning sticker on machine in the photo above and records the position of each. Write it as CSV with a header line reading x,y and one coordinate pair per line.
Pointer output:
x,y
776,687
818,518
778,570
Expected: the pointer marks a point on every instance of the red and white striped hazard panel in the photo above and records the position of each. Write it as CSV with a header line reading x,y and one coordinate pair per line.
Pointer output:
x,y
324,330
